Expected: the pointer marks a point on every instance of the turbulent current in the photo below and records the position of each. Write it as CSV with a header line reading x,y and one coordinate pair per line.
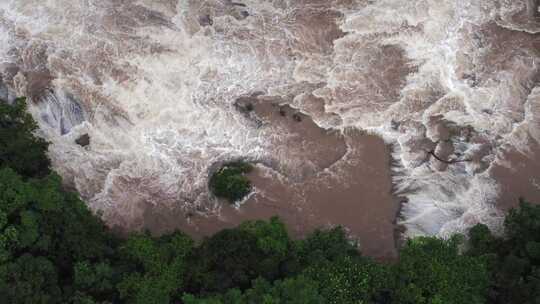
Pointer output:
x,y
452,86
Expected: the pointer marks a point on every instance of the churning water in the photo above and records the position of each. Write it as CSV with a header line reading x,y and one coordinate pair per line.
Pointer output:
x,y
450,84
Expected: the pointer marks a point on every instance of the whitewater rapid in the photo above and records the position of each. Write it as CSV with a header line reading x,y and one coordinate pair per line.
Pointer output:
x,y
449,84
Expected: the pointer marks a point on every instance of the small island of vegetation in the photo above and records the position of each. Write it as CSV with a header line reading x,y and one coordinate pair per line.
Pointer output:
x,y
230,181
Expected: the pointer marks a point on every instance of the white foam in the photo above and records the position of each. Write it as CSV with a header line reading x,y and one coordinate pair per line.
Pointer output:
x,y
158,93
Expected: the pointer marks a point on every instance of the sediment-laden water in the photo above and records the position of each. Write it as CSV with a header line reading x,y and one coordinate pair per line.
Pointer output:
x,y
452,87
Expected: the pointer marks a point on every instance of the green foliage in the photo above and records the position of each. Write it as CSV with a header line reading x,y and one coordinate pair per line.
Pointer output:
x,y
323,268
481,241
29,279
272,237
298,290
159,267
514,259
19,148
324,246
350,279
43,223
234,257
230,182
431,270
97,279
522,226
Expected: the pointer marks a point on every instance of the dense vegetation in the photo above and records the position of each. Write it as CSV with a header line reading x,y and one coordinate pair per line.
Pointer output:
x,y
53,250
19,149
230,181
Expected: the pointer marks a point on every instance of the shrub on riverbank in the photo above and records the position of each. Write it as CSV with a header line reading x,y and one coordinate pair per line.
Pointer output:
x,y
230,181
19,148
514,260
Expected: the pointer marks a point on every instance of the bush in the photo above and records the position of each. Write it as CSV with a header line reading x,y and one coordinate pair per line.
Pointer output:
x,y
230,181
232,258
350,280
432,271
19,148
158,267
515,258
46,234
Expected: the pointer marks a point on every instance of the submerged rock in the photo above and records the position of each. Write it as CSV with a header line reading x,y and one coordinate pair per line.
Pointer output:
x,y
206,20
238,4
83,140
244,14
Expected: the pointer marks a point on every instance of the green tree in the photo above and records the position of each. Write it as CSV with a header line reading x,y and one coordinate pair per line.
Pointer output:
x,y
514,258
297,290
94,281
321,246
158,267
351,279
234,257
522,226
44,223
230,182
481,241
29,279
19,148
431,270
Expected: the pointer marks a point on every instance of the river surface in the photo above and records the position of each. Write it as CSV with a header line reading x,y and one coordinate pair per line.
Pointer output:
x,y
371,114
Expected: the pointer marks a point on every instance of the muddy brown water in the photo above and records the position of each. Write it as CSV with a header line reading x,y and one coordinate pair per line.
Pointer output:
x,y
346,181
519,177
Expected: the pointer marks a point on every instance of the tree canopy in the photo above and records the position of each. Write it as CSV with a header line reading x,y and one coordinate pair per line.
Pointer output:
x,y
230,181
19,148
514,260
